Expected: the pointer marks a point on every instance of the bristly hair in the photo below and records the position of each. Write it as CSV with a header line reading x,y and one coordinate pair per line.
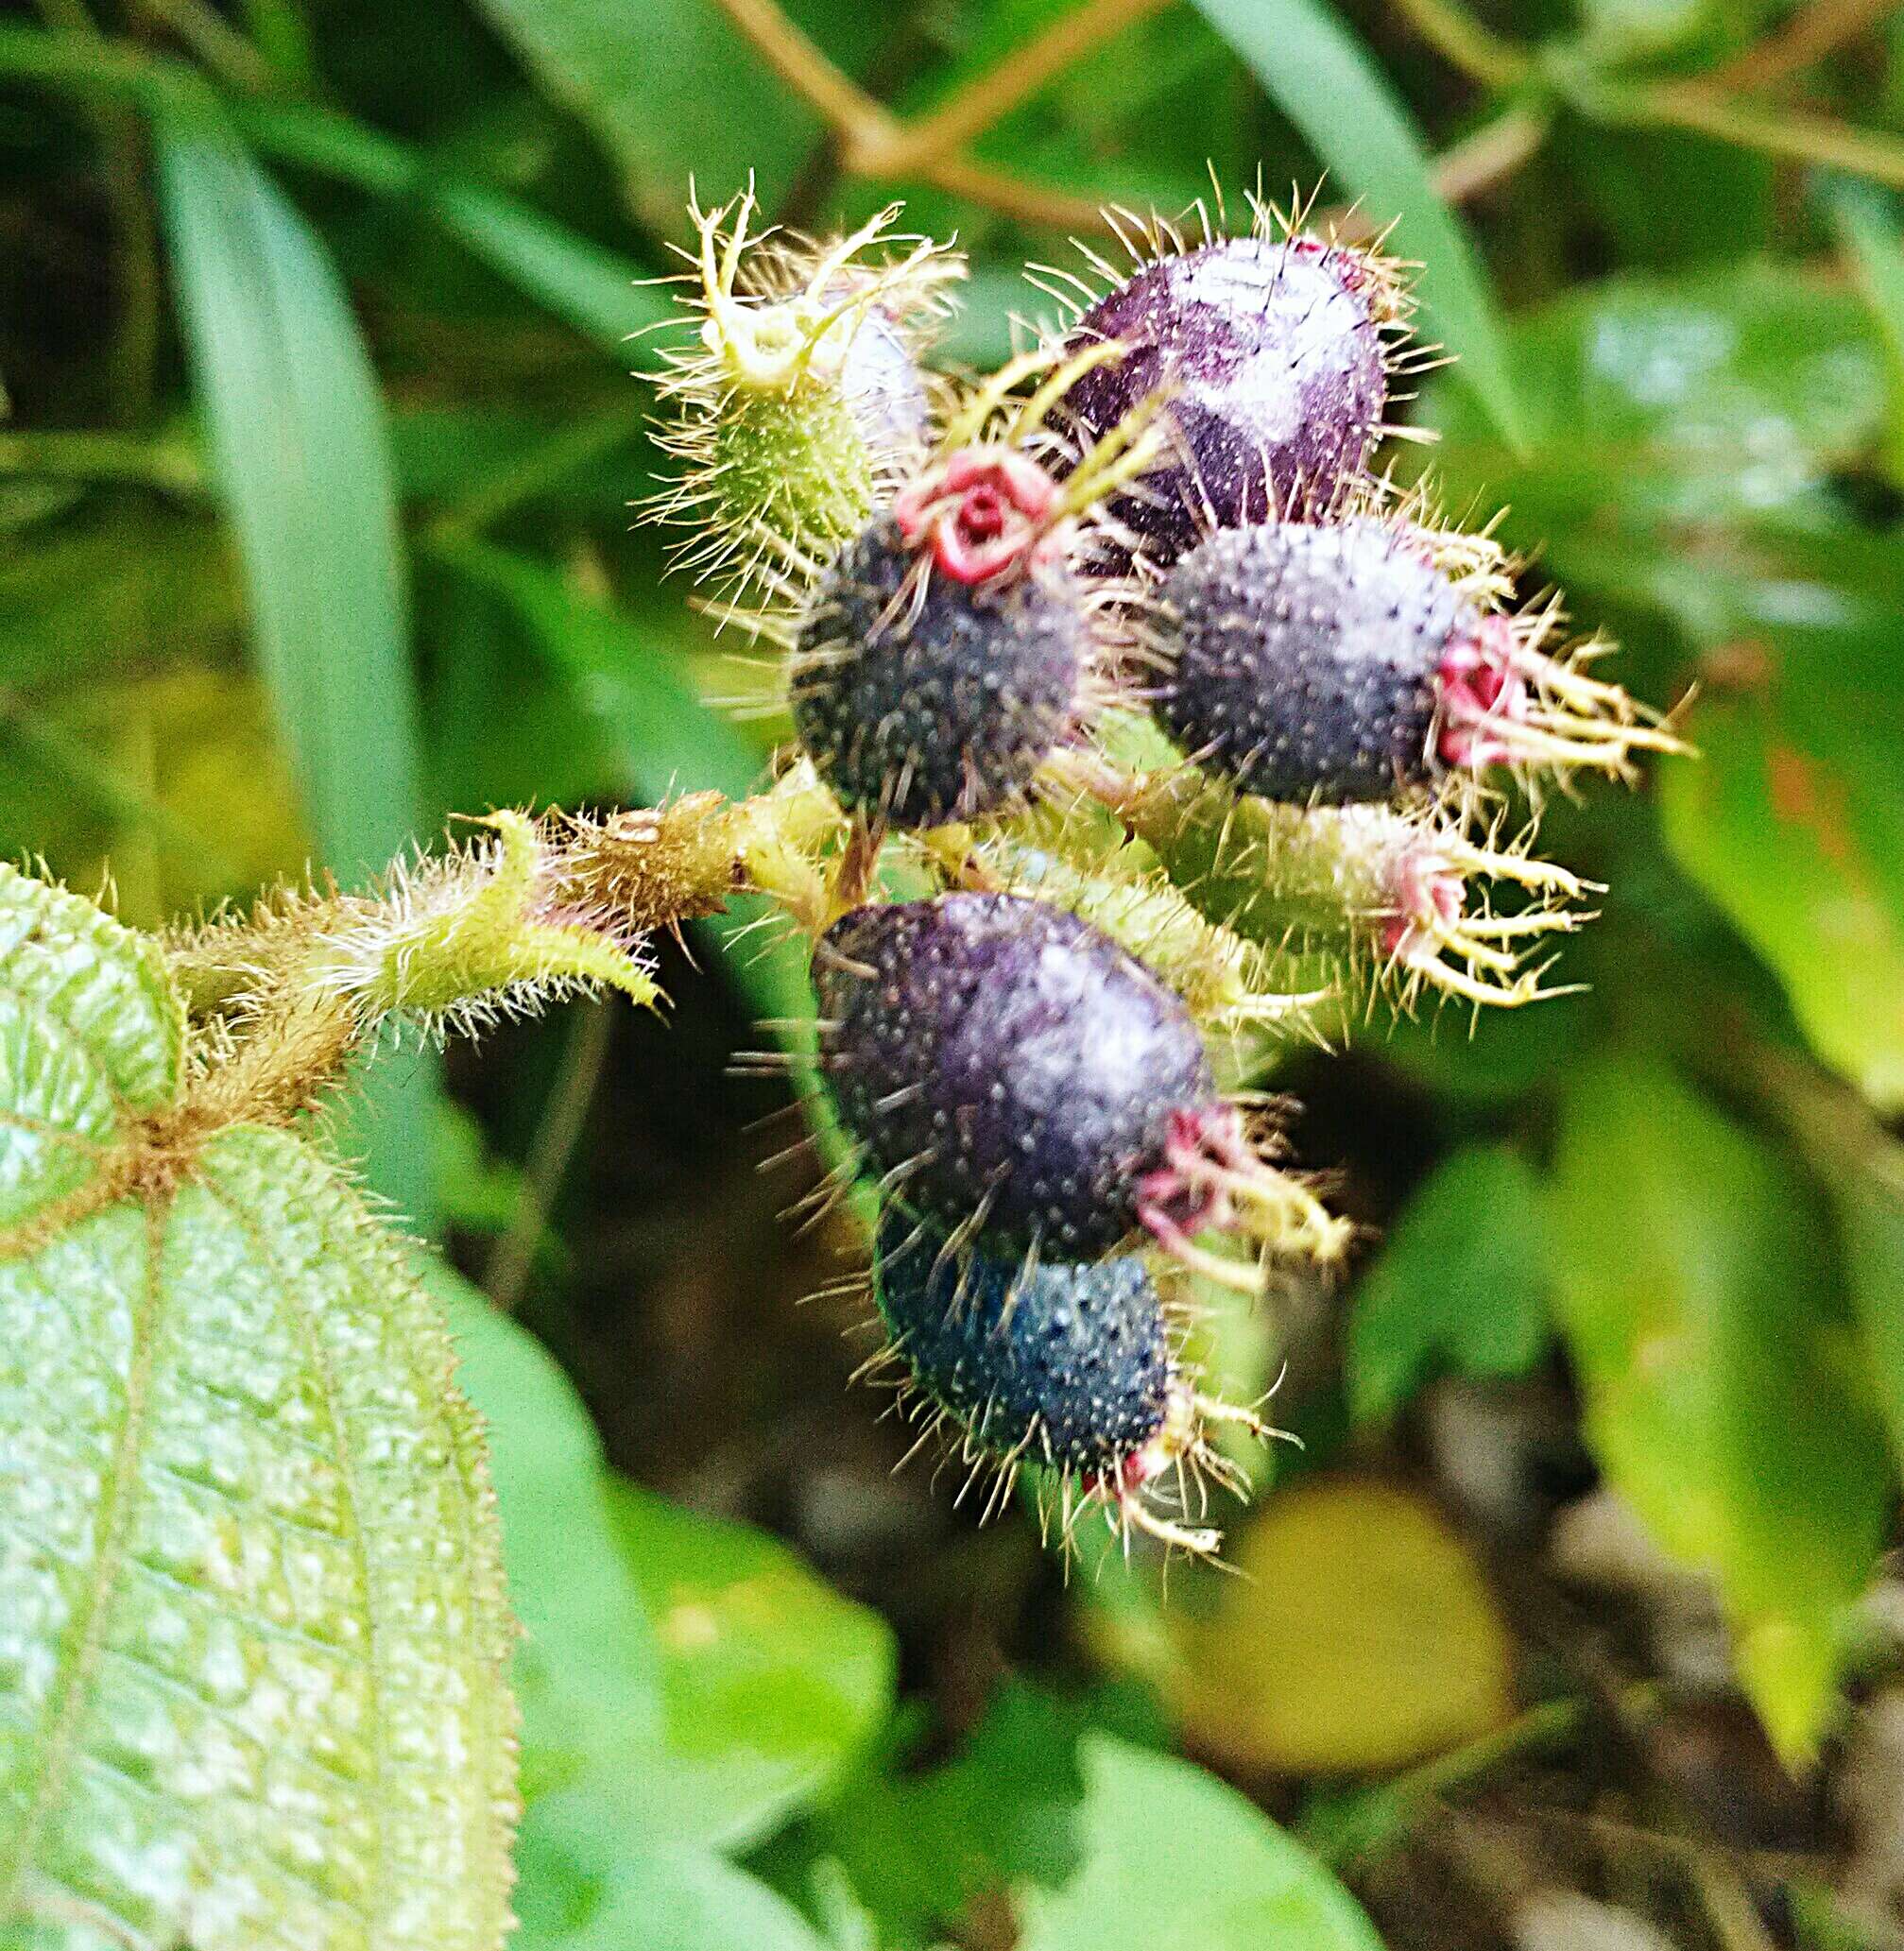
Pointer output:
x,y
798,400
1160,1490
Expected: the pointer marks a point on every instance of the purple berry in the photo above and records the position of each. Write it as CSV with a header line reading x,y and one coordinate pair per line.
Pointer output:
x,y
1012,1071
1304,663
1272,351
1071,1364
1010,1059
1339,664
942,656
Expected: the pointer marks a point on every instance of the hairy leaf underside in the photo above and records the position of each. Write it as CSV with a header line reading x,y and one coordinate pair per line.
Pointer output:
x,y
253,1634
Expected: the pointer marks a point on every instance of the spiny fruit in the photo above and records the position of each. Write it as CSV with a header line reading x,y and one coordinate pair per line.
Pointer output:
x,y
1339,663
1070,1366
800,403
1272,351
1401,895
1016,1078
948,648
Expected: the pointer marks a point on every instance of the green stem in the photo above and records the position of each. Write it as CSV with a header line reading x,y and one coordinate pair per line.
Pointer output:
x,y
89,456
536,470
1464,42
122,148
217,44
506,1276
1384,1817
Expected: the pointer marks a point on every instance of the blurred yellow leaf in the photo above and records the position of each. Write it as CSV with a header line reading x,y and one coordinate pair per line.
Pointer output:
x,y
196,790
1359,1638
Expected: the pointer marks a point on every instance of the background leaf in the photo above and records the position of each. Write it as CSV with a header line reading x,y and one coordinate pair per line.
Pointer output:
x,y
685,1683
773,1681
1699,1300
671,91
1793,830
1174,1857
301,455
1459,1283
1360,1636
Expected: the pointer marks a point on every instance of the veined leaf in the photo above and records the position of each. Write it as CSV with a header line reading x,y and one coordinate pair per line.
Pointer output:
x,y
1323,81
301,455
252,1636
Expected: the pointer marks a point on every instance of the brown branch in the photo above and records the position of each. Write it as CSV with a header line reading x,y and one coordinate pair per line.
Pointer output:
x,y
1807,37
1490,153
1011,196
848,110
1799,137
874,143
987,99
1464,42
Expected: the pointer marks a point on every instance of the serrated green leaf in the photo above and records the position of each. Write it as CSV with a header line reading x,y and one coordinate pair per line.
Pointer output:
x,y
92,1035
1699,1295
1459,1284
252,1638
1327,83
1178,1859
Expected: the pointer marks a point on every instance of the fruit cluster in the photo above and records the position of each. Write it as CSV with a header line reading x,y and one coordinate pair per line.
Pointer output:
x,y
1191,719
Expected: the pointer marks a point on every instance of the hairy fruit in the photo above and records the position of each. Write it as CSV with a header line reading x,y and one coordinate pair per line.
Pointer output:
x,y
1016,1077
950,647
1270,351
925,698
1072,1367
1308,663
799,402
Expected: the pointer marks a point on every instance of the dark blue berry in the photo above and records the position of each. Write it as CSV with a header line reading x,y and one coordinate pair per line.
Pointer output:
x,y
1276,375
1067,1363
922,698
1306,664
1001,1057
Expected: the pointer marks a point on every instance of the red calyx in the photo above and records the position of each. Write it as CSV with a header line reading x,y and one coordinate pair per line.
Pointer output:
x,y
1483,696
985,512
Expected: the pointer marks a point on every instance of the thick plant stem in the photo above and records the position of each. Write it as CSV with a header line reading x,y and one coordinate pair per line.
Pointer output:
x,y
543,910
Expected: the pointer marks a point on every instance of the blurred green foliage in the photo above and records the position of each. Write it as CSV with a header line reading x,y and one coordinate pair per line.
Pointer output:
x,y
315,332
